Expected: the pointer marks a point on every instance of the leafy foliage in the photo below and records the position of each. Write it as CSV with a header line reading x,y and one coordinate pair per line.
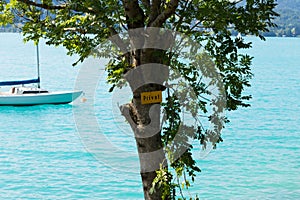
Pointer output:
x,y
210,54
288,24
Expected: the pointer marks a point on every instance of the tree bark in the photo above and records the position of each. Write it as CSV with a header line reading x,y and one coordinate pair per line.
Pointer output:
x,y
145,123
148,140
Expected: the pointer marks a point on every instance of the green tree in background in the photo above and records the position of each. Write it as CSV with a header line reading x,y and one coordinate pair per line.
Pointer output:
x,y
82,25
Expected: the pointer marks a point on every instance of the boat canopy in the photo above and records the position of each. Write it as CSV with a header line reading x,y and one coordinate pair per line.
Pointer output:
x,y
6,83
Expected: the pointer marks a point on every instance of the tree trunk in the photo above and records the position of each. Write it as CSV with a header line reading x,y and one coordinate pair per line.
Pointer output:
x,y
145,123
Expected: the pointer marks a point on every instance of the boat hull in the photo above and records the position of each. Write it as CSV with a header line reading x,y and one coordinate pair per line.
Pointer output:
x,y
63,97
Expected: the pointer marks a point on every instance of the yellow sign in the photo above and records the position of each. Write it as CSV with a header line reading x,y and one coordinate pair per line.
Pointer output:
x,y
151,97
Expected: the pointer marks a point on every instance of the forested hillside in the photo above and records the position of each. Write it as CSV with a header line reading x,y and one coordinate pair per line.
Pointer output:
x,y
288,22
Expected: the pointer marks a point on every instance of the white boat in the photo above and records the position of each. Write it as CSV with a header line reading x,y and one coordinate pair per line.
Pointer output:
x,y
25,96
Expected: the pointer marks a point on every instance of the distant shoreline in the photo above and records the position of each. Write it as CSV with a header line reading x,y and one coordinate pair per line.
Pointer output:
x,y
4,30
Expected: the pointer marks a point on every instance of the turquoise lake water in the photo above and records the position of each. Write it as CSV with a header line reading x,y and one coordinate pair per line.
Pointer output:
x,y
42,155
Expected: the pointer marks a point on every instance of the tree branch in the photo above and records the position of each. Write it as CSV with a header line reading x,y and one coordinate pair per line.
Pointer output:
x,y
186,5
134,14
60,7
161,18
146,3
155,10
45,6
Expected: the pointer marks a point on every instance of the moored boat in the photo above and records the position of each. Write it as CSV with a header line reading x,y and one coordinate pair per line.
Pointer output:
x,y
25,96
19,95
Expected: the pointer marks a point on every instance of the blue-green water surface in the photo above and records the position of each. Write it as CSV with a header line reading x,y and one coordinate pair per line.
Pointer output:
x,y
42,155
